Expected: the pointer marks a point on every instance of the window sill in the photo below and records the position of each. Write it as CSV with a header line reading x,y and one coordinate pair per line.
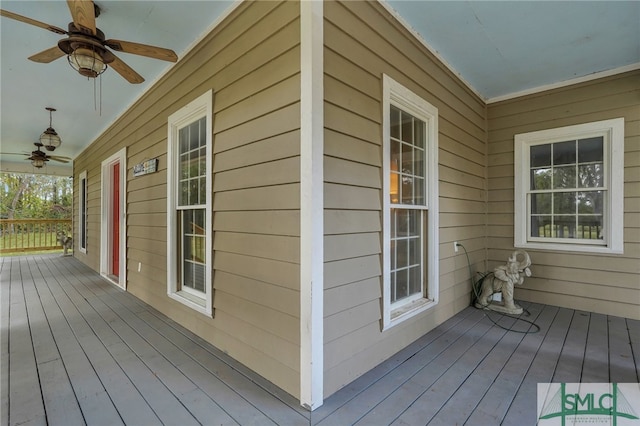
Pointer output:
x,y
409,310
581,248
194,302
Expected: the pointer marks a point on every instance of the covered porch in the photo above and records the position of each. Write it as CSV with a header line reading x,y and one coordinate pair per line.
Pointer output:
x,y
78,350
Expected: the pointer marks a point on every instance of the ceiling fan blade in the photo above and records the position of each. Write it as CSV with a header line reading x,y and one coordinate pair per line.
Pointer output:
x,y
59,158
26,20
84,15
142,49
48,55
125,71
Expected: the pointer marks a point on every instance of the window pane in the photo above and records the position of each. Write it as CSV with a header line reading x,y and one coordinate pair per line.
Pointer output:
x,y
564,153
392,279
590,202
402,253
591,175
203,190
407,159
193,192
401,221
540,155
194,135
415,253
590,150
393,255
418,165
541,178
198,277
415,284
564,203
564,226
203,131
193,250
414,222
394,178
541,226
407,127
395,122
590,227
419,191
183,197
184,166
407,254
183,138
402,286
407,189
564,177
202,167
540,203
419,133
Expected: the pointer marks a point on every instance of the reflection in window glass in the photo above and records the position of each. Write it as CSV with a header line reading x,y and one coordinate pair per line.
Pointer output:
x,y
192,196
556,170
407,187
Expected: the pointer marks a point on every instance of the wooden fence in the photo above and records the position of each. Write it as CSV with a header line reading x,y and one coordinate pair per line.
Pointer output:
x,y
29,235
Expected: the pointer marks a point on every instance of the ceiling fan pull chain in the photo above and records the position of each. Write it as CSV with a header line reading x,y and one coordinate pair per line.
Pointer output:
x,y
95,106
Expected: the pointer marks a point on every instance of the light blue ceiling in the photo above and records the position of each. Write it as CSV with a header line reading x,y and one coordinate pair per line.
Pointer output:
x,y
506,47
497,47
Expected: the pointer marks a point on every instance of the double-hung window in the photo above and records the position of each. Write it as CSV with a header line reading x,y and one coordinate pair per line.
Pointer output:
x,y
410,250
82,212
189,245
568,191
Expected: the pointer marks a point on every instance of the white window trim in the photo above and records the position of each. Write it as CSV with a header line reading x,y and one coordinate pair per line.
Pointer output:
x,y
82,210
196,109
398,95
107,218
613,130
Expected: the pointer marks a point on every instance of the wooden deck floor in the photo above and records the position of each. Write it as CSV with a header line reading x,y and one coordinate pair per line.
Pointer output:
x,y
77,350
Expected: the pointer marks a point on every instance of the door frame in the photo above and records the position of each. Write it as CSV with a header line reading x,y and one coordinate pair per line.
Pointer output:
x,y
107,218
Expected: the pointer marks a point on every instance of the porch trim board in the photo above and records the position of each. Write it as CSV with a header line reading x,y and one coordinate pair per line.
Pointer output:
x,y
311,204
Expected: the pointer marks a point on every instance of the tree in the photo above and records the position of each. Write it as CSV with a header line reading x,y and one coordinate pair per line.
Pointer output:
x,y
27,196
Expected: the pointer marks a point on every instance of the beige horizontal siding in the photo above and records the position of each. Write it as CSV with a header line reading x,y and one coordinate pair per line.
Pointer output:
x,y
361,43
608,284
251,62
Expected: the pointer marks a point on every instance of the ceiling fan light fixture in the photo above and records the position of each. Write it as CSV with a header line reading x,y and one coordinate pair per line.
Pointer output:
x,y
38,162
87,62
49,138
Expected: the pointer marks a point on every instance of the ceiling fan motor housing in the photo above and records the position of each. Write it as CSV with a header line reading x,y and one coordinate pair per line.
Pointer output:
x,y
86,53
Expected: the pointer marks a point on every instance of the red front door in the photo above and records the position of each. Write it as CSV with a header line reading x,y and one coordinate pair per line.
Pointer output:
x,y
115,239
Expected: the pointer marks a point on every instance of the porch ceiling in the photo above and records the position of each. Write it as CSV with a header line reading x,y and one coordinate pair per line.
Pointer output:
x,y
498,48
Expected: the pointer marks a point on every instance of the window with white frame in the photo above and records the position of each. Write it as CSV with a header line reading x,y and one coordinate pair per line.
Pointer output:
x,y
189,233
569,188
410,163
82,211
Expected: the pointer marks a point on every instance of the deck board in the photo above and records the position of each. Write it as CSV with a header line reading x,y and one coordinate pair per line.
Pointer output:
x,y
540,371
5,286
467,397
76,349
621,365
634,340
377,394
573,349
25,399
495,403
59,399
